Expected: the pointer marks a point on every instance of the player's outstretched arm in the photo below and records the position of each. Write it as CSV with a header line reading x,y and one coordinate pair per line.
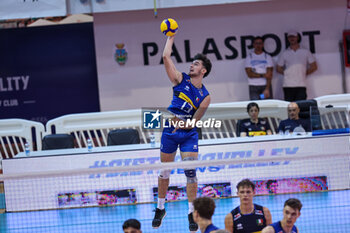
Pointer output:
x,y
174,75
268,229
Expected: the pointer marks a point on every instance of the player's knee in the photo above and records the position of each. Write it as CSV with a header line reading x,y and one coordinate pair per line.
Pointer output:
x,y
164,174
190,173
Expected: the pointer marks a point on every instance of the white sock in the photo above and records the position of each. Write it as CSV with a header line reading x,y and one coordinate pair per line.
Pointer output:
x,y
161,202
190,207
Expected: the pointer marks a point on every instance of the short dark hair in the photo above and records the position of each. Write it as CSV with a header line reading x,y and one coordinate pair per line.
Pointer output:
x,y
293,203
206,62
258,38
252,104
245,183
134,223
205,206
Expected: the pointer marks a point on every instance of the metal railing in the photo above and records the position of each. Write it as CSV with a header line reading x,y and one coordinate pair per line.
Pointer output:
x,y
96,126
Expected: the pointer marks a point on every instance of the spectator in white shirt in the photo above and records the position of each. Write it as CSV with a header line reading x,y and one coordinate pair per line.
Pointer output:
x,y
259,67
295,63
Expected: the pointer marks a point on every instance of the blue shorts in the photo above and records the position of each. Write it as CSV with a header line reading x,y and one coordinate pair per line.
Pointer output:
x,y
186,139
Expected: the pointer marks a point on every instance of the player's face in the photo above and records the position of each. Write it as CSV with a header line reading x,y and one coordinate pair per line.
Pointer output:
x,y
253,113
290,215
131,230
245,194
196,68
258,45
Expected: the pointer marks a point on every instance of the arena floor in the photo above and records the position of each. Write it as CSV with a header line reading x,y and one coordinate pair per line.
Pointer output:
x,y
322,212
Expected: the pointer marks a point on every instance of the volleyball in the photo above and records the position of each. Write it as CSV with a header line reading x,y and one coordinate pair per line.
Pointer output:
x,y
169,27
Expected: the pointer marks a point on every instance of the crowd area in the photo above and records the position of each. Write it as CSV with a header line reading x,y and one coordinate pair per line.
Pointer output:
x,y
295,64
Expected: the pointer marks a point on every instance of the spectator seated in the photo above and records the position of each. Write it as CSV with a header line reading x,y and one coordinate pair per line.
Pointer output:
x,y
253,126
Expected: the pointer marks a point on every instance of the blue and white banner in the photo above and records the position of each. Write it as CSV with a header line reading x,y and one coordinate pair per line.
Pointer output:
x,y
271,161
21,9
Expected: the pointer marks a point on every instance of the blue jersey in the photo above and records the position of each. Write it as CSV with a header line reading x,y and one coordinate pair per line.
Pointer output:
x,y
278,228
248,223
210,228
186,98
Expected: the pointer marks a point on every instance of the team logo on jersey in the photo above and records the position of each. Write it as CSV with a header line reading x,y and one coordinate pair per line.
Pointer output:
x,y
259,212
237,216
259,222
239,226
201,92
121,55
247,124
187,88
152,119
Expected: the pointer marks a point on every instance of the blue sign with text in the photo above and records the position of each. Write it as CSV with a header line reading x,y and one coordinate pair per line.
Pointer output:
x,y
47,72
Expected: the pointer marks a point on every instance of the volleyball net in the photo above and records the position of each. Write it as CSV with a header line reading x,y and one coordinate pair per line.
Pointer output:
x,y
53,195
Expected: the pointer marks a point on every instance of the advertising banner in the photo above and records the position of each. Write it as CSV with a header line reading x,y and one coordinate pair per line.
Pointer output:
x,y
47,72
291,185
140,185
20,9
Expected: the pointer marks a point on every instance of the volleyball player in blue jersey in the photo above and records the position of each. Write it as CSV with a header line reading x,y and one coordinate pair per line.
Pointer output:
x,y
291,213
204,208
190,101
